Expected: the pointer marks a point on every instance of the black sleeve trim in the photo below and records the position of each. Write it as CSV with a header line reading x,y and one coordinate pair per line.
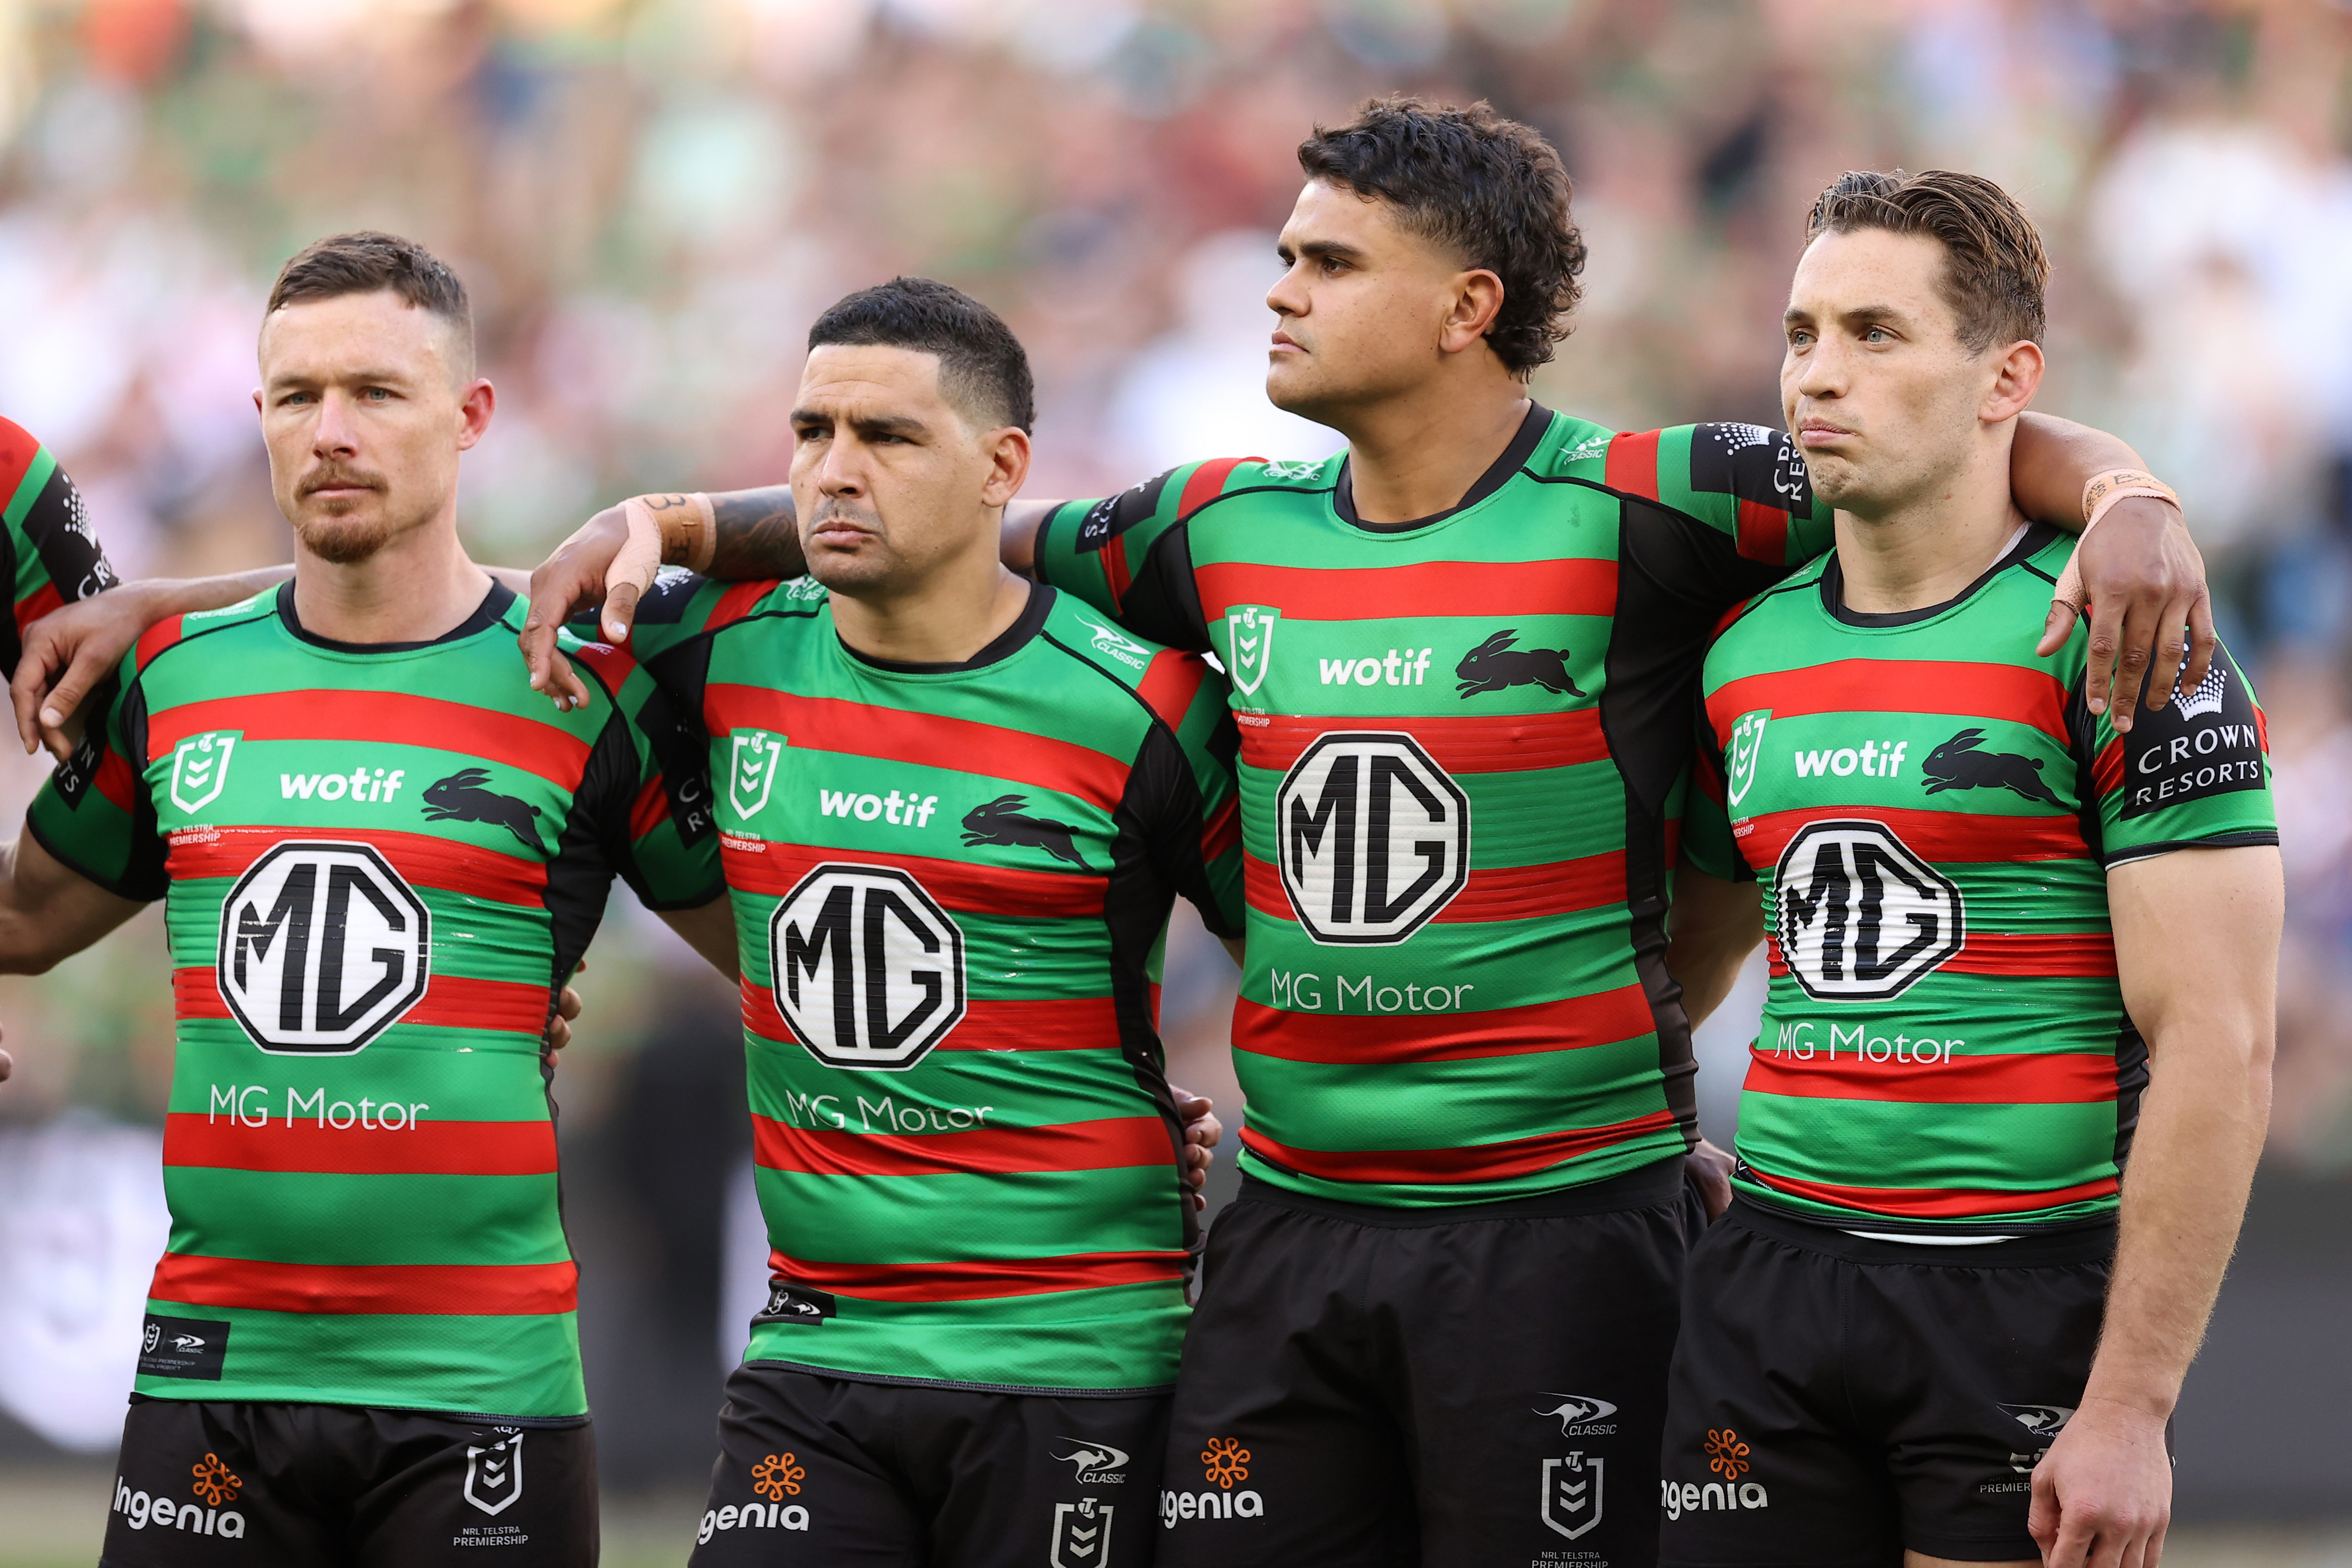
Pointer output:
x,y
2249,837
125,889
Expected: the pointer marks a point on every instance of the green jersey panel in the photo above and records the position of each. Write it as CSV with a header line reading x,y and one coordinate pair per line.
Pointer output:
x,y
1931,810
371,898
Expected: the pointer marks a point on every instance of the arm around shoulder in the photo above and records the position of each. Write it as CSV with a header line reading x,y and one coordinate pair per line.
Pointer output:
x,y
48,911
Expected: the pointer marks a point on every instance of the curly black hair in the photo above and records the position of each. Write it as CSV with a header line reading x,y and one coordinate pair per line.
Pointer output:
x,y
1488,188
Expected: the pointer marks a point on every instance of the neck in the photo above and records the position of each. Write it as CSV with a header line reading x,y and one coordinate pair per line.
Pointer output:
x,y
946,619
1926,548
419,587
1417,455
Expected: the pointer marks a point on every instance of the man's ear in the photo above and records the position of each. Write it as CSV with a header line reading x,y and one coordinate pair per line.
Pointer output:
x,y
1477,300
1008,464
479,401
2015,379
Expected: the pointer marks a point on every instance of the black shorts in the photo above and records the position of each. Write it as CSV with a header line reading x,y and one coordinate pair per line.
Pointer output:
x,y
816,1469
1478,1386
244,1483
1836,1399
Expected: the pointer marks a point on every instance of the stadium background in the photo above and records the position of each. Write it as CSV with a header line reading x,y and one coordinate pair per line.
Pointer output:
x,y
650,199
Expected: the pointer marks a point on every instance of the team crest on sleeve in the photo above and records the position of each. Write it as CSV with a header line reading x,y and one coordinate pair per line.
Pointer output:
x,y
1746,752
753,757
868,970
323,947
1862,918
1249,644
200,768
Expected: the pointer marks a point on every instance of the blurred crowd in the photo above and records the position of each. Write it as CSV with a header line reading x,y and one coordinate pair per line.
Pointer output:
x,y
650,200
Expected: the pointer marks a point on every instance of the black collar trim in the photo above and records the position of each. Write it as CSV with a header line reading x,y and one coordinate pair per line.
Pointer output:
x,y
1498,474
485,616
1009,642
2036,536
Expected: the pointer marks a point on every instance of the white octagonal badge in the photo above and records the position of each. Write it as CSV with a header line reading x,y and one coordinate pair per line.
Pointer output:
x,y
1861,917
322,946
868,969
1373,838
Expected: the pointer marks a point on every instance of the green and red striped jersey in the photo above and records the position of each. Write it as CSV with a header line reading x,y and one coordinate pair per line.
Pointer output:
x,y
952,885
1464,744
1931,810
47,548
378,861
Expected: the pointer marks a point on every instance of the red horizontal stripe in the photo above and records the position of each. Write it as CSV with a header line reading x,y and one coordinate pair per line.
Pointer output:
x,y
1631,464
393,719
1207,482
426,1148
1171,683
1480,1162
39,603
427,1288
451,1001
614,664
1497,744
1076,1023
115,780
2107,768
1388,1038
647,811
1859,687
157,638
1554,586
2071,1078
927,740
1933,1203
1113,1143
738,601
980,1280
1223,830
2040,954
1763,532
1945,837
1011,892
1493,893
471,871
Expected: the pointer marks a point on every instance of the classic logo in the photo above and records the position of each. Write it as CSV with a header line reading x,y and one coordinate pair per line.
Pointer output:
x,y
1572,1494
868,969
1861,917
1576,1413
460,798
1096,1462
494,1474
1291,473
1746,751
1116,645
322,946
1961,764
2041,1420
1001,821
1495,665
183,1348
1249,644
200,768
1373,839
752,770
1081,1534
788,1303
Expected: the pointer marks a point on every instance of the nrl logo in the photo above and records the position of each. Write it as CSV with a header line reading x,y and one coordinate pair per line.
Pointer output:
x,y
1291,473
200,768
1249,634
752,770
1112,645
494,1475
1747,750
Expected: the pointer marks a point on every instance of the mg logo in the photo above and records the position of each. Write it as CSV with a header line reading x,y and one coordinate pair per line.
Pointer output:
x,y
1373,838
1249,645
1862,917
751,771
868,970
321,947
200,768
1747,748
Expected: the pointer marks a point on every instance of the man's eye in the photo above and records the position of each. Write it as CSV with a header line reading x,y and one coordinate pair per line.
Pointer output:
x,y
1878,335
377,394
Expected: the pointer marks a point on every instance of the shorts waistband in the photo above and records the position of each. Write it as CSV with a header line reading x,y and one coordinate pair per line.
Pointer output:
x,y
2092,1243
1647,1186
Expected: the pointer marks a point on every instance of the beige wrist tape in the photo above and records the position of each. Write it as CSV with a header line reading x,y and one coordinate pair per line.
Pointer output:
x,y
2105,489
687,525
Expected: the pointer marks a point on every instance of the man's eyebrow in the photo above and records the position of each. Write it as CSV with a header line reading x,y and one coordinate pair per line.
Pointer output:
x,y
872,424
1336,250
368,375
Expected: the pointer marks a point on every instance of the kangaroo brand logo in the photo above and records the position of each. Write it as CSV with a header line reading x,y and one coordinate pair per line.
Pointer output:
x,y
2041,1420
1747,750
1373,838
1249,645
494,1473
1861,917
751,771
200,768
1959,764
461,798
1291,473
1000,821
789,1304
868,969
1572,1494
1576,1413
183,1348
1495,665
1096,1462
1081,1534
322,946
1115,646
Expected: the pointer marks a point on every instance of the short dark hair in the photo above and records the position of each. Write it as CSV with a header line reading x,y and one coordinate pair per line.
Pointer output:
x,y
982,367
1487,188
366,260
1994,267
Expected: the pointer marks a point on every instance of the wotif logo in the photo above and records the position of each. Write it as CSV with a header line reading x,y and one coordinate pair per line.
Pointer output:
x,y
1399,667
200,768
374,788
1873,759
752,770
900,810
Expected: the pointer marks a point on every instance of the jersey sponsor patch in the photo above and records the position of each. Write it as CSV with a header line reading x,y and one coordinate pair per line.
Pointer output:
x,y
1862,918
1495,665
1753,463
1962,763
1114,515
1373,838
868,969
323,947
461,798
1003,822
788,1303
2202,743
183,1347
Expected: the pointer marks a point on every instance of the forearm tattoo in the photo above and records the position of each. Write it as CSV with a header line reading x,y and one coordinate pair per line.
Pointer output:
x,y
758,535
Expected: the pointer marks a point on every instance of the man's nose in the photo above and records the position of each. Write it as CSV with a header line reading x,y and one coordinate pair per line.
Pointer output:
x,y
1288,296
336,433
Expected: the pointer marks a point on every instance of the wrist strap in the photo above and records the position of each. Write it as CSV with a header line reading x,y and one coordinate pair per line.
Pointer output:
x,y
2105,489
688,525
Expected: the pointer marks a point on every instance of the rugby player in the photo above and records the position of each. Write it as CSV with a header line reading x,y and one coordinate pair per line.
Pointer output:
x,y
2010,949
381,855
1463,657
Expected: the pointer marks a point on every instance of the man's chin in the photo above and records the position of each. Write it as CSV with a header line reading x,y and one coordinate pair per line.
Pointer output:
x,y
343,541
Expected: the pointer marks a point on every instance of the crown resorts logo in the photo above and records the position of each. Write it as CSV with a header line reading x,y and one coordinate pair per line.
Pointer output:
x,y
2207,697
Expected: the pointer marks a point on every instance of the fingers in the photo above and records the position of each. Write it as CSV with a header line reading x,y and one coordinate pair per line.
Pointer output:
x,y
7,1065
631,574
58,731
2135,650
2170,648
2202,641
567,1005
2056,627
620,613
25,694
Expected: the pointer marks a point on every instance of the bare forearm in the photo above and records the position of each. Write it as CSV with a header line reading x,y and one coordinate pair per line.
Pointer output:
x,y
167,596
1711,929
46,911
2050,461
758,534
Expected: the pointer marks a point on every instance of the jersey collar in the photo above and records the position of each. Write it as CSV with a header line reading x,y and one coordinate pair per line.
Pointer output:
x,y
1007,642
2028,545
1498,474
485,616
